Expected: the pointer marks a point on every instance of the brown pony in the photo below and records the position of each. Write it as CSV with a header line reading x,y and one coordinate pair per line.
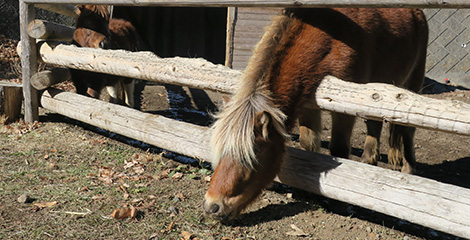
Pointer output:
x,y
96,29
297,51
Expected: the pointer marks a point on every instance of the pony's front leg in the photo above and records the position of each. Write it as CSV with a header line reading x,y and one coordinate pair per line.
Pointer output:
x,y
129,87
398,135
371,152
310,129
340,145
113,92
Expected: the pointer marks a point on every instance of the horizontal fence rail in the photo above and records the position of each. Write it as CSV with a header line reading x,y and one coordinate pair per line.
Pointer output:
x,y
274,3
371,101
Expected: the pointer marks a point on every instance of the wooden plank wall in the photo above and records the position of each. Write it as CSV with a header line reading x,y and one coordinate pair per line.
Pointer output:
x,y
249,26
448,50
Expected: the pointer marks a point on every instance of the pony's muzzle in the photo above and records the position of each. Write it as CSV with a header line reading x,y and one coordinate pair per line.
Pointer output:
x,y
214,209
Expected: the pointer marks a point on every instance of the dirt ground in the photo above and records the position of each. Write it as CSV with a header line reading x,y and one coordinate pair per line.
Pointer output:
x,y
75,176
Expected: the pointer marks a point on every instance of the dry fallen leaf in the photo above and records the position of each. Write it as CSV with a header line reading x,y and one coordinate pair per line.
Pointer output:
x,y
139,169
163,174
180,196
177,176
297,231
84,189
130,164
30,176
45,204
106,175
45,179
186,235
98,197
169,227
125,212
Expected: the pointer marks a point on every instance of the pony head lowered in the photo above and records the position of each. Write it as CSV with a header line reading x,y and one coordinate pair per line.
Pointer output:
x,y
296,52
92,26
248,139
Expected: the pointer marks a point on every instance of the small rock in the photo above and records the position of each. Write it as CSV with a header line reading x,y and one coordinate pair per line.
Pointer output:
x,y
406,238
174,210
52,166
369,229
24,199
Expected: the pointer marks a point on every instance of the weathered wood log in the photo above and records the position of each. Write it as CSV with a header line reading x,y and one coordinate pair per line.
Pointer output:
x,y
422,201
11,97
393,104
155,130
197,73
274,3
42,29
45,79
371,101
426,202
29,63
64,9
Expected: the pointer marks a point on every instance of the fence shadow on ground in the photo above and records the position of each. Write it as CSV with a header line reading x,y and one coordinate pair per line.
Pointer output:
x,y
431,86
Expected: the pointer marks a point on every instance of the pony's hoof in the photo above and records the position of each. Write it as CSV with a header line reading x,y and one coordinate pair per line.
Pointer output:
x,y
370,156
369,160
407,168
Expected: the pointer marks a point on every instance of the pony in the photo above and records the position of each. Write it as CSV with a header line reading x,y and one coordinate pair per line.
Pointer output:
x,y
95,29
297,51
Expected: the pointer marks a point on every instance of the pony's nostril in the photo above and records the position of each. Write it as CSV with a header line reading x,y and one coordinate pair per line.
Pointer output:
x,y
214,208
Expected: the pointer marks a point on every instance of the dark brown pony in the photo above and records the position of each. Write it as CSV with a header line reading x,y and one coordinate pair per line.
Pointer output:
x,y
297,51
95,29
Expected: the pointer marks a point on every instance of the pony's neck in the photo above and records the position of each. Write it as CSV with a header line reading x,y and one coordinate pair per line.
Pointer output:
x,y
284,75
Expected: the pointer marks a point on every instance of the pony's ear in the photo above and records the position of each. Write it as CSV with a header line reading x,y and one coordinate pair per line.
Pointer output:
x,y
263,123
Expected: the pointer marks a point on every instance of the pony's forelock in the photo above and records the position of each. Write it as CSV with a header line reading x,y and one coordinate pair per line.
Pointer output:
x,y
233,132
103,10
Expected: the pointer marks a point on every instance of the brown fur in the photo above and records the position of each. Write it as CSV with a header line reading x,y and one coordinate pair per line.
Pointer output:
x,y
297,51
96,30
101,10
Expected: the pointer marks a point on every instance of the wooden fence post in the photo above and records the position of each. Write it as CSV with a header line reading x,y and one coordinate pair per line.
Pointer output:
x,y
10,101
28,63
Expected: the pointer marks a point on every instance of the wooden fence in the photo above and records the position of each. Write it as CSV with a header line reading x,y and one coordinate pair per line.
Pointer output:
x,y
404,196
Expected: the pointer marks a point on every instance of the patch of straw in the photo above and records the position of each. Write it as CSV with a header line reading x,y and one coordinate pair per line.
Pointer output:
x,y
3,119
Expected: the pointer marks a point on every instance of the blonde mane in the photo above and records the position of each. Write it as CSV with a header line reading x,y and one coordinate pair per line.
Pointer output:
x,y
233,132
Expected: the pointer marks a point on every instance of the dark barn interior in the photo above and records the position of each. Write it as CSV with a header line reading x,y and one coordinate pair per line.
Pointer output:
x,y
180,31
